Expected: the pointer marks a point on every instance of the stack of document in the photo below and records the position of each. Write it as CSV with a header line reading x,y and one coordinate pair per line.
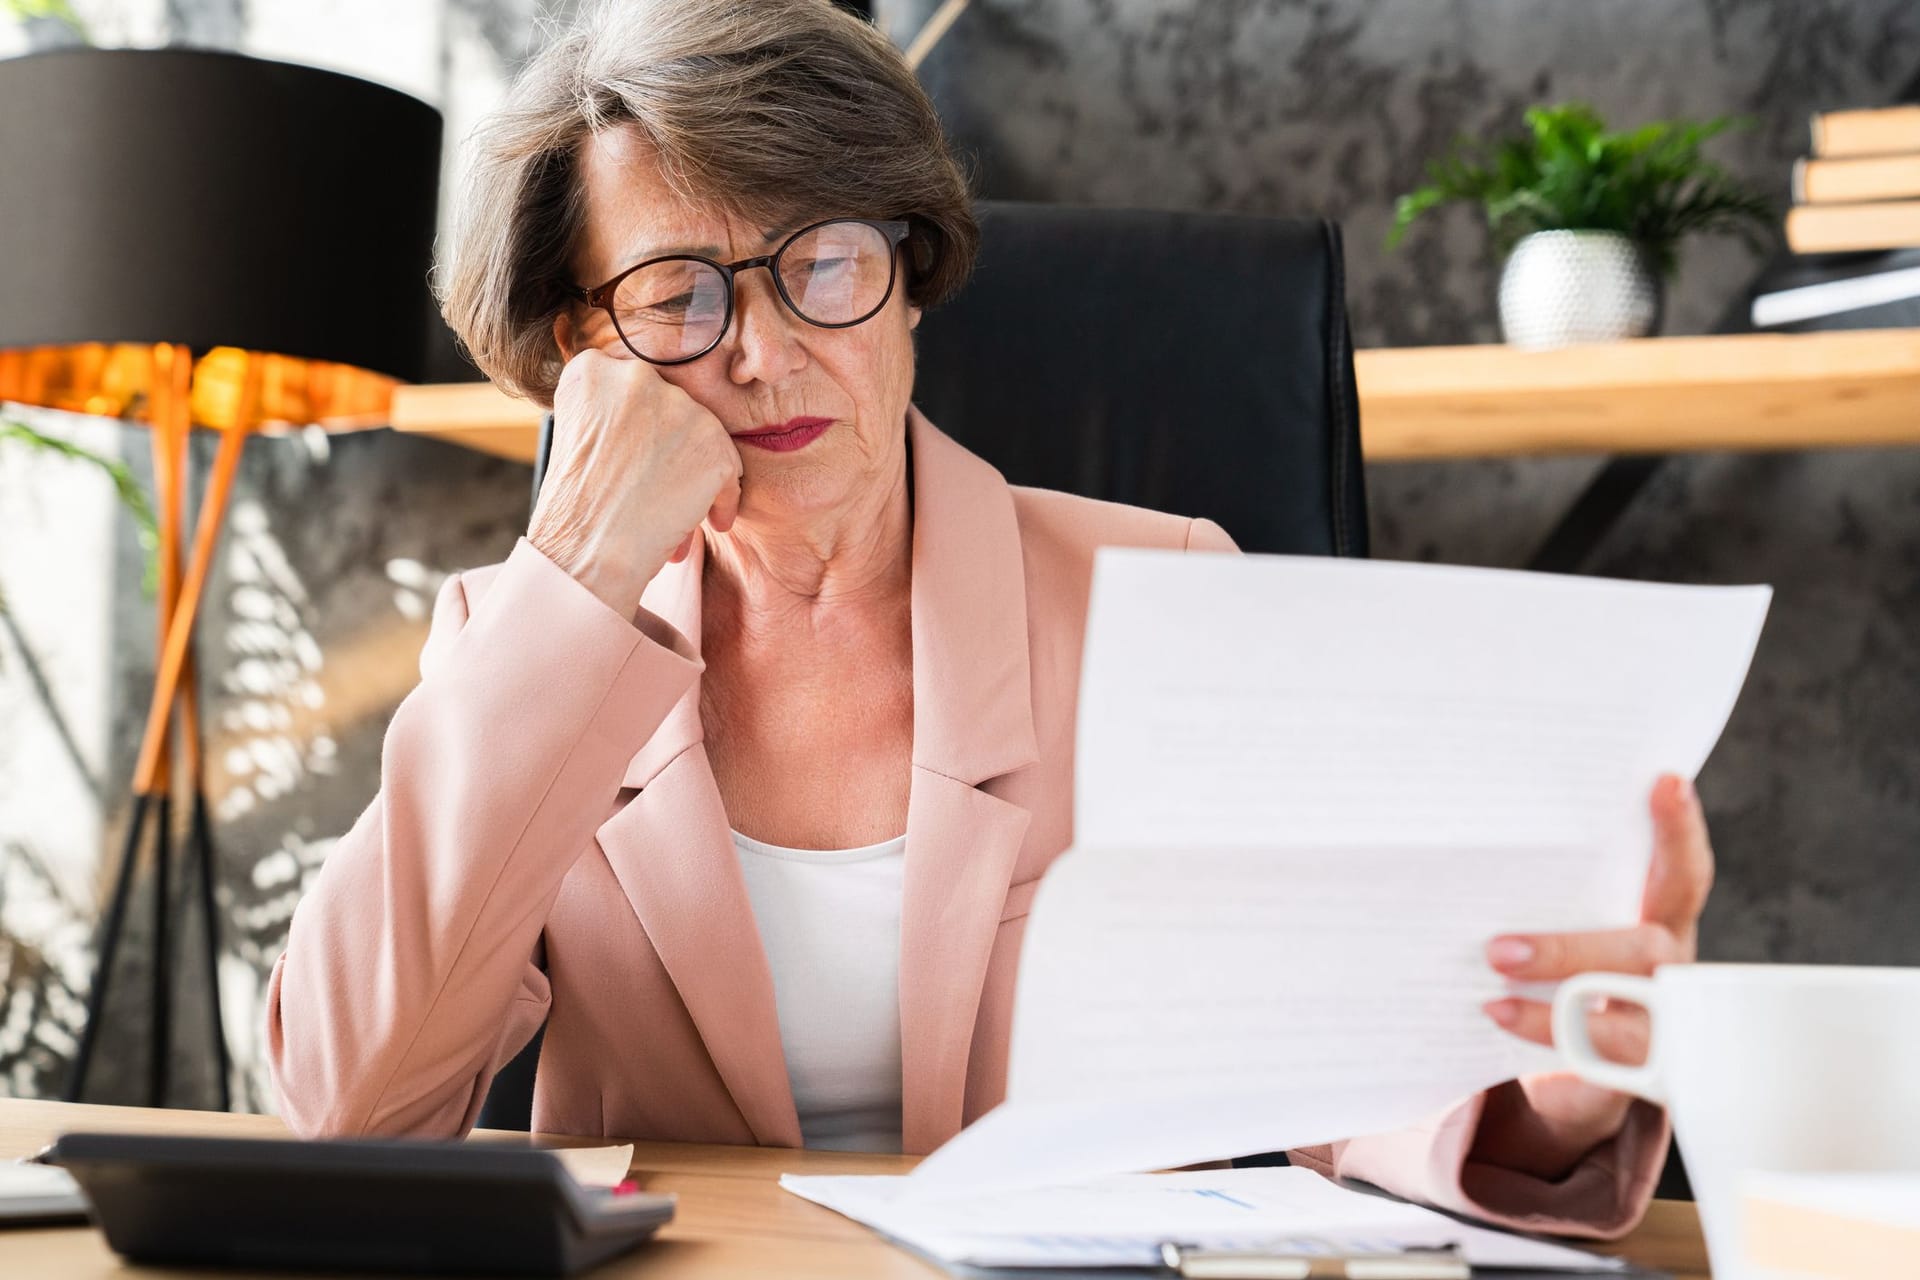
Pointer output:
x,y
1122,1221
1308,792
36,1194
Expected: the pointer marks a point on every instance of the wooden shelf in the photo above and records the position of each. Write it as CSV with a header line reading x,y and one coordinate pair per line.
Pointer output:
x,y
1656,395
476,414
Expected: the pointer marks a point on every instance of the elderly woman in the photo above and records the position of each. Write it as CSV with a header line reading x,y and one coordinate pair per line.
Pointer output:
x,y
740,771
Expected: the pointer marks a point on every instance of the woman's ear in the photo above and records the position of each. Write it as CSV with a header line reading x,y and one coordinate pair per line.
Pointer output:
x,y
563,336
913,318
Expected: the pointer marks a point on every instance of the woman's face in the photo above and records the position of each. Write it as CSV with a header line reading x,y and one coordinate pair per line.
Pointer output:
x,y
771,366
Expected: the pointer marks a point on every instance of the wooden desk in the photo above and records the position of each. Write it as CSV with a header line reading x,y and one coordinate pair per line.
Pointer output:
x,y
733,1219
1655,395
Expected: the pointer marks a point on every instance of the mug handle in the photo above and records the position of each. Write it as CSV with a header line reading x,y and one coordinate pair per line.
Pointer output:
x,y
1571,1038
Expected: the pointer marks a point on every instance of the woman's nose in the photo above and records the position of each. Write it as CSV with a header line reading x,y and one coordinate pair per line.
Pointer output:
x,y
765,338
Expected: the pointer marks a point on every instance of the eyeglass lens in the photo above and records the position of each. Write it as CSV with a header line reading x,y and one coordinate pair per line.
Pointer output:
x,y
835,274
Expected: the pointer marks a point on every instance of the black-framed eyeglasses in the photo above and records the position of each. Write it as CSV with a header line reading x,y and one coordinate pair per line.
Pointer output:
x,y
833,274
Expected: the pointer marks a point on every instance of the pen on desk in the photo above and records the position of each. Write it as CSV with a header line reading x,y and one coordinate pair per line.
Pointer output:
x,y
1198,1263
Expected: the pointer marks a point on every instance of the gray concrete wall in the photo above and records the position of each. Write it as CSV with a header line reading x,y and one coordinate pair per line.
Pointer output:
x,y
1332,109
318,604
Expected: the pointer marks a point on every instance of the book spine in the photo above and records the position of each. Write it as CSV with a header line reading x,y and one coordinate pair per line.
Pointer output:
x,y
1846,181
1878,131
1850,228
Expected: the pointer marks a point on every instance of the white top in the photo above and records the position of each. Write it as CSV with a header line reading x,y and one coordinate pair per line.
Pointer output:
x,y
830,923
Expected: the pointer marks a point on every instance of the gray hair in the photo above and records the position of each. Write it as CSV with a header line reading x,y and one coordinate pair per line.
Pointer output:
x,y
777,111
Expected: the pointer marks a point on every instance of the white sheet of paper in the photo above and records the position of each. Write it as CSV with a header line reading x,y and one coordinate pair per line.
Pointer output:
x,y
28,1190
596,1166
1308,791
1121,1220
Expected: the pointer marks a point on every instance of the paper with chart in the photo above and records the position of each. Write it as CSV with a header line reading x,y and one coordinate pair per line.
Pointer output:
x,y
1308,792
1120,1221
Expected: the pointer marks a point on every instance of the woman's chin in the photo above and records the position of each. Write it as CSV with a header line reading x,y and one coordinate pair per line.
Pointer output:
x,y
787,491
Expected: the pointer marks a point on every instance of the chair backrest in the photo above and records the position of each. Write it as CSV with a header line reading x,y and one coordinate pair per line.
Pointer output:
x,y
1196,363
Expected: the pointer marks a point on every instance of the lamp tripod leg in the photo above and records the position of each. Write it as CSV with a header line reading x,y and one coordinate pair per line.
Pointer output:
x,y
174,679
173,682
106,946
200,838
162,973
198,851
171,389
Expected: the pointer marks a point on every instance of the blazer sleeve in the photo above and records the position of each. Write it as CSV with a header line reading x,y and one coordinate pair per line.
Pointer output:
x,y
408,978
1605,1195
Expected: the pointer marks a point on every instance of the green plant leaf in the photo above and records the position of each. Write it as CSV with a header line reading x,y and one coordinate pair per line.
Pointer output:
x,y
58,10
125,487
1568,172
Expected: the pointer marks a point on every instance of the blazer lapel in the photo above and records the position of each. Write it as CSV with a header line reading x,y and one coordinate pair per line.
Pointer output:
x,y
672,852
973,721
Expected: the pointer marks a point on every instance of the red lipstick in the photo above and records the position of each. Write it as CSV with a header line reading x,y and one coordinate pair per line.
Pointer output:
x,y
785,437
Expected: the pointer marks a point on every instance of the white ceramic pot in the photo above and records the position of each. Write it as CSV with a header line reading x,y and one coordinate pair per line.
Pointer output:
x,y
1563,287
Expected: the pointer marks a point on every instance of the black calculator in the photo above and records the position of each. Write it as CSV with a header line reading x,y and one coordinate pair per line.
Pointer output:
x,y
378,1206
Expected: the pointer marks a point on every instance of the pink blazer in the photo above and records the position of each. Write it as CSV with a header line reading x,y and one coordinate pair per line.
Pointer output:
x,y
544,792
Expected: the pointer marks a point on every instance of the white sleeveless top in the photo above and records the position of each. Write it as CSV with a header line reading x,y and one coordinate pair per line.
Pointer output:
x,y
830,923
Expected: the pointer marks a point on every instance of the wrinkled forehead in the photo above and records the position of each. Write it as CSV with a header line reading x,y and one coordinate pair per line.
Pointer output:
x,y
633,212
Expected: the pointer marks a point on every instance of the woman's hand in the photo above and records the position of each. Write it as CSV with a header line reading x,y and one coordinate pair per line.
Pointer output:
x,y
637,463
1544,1124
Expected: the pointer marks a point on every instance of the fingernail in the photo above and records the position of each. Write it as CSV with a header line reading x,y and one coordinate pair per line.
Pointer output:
x,y
1510,953
1501,1011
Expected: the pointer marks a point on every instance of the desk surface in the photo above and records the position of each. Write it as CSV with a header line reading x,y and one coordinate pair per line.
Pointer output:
x,y
733,1219
1653,395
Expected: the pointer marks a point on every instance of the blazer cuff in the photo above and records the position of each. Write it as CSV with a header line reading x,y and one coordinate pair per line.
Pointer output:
x,y
1602,1197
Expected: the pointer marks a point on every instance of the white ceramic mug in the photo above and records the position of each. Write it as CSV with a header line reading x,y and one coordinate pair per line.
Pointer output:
x,y
1764,1068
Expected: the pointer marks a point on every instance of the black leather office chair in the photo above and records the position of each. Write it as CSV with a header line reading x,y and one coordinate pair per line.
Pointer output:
x,y
1191,362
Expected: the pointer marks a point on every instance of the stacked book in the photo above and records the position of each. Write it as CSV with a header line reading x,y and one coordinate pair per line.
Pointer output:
x,y
1854,227
1861,187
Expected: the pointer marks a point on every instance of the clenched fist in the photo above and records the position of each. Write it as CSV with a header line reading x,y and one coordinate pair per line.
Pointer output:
x,y
637,463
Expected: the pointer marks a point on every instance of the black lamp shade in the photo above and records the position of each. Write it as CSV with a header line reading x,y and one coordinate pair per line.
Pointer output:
x,y
214,200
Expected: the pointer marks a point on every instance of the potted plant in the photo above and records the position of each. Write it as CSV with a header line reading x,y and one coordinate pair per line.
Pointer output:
x,y
1590,221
